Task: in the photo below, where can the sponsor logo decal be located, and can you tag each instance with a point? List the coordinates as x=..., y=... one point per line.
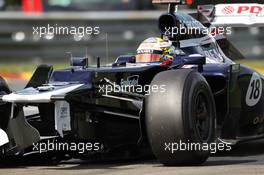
x=250, y=9
x=241, y=9
x=228, y=10
x=130, y=81
x=258, y=120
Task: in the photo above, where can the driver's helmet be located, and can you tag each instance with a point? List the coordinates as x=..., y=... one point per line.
x=155, y=50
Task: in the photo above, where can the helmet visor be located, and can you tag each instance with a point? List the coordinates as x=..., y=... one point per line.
x=148, y=57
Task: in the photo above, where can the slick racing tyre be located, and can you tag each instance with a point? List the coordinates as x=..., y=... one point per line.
x=182, y=115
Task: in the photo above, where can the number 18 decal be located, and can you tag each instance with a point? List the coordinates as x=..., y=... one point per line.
x=254, y=91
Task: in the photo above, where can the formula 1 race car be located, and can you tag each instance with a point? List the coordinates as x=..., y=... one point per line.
x=180, y=88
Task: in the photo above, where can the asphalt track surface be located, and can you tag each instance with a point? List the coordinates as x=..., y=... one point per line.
x=244, y=159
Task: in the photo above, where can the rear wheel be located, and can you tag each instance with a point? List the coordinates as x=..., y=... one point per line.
x=182, y=119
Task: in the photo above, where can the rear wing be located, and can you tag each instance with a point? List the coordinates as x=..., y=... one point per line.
x=236, y=15
x=178, y=2
x=205, y=2
x=223, y=12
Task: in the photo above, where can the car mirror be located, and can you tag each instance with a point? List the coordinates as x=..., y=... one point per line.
x=79, y=61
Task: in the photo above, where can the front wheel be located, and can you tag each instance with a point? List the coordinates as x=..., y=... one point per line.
x=181, y=119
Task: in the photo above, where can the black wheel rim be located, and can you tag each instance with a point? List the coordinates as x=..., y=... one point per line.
x=202, y=116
